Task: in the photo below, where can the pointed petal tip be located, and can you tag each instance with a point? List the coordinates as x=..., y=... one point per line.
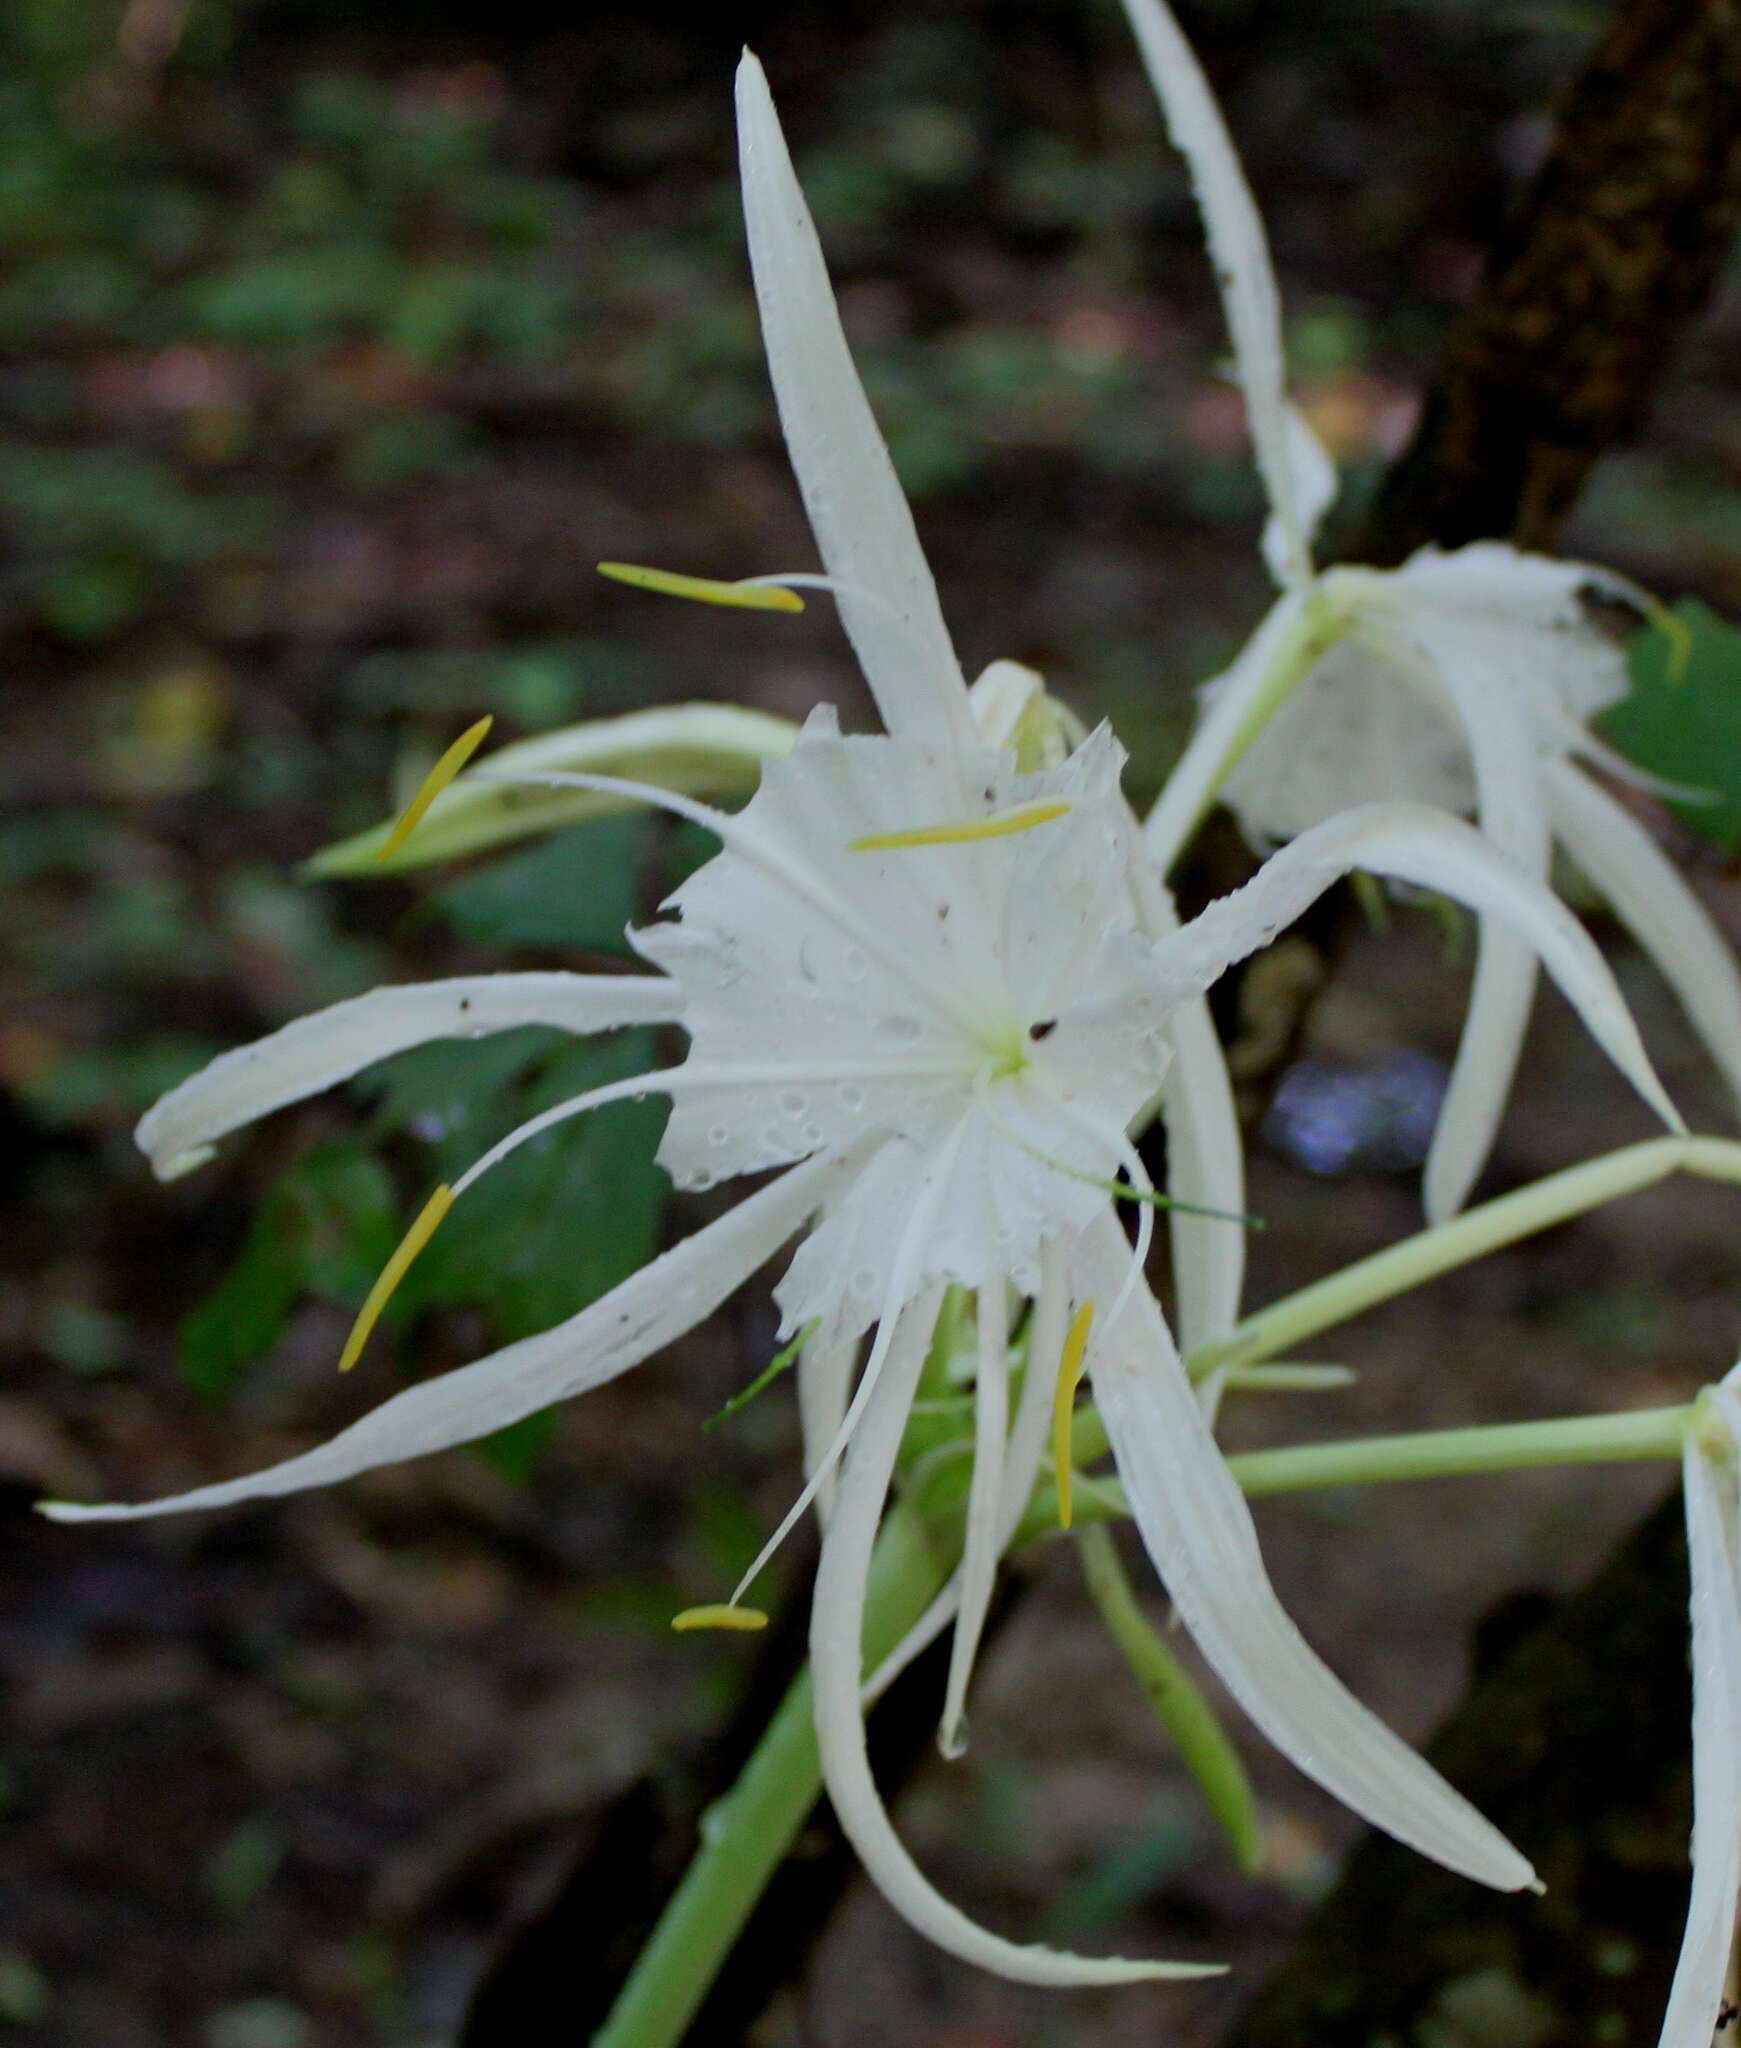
x=179, y=1164
x=73, y=1511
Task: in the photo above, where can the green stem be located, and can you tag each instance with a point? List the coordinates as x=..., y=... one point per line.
x=1182, y=1710
x=1443, y=1453
x=1469, y=1236
x=1378, y=1460
x=746, y=1835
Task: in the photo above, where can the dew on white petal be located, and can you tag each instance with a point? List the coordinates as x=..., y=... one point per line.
x=809, y=967
x=853, y=964
x=794, y=1103
x=897, y=1030
x=863, y=1283
x=850, y=1096
x=699, y=1180
x=812, y=1134
x=719, y=1135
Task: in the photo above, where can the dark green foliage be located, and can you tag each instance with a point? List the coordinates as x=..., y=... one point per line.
x=576, y=888
x=561, y=1220
x=559, y=1223
x=1683, y=719
x=324, y=1229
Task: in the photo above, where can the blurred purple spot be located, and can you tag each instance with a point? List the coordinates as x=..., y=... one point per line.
x=1374, y=1117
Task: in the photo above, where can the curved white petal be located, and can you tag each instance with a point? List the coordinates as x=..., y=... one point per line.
x=1205, y=1167
x=1560, y=657
x=1410, y=843
x=1291, y=462
x=1198, y=1530
x=836, y=1659
x=825, y=1367
x=693, y=749
x=1500, y=999
x=888, y=602
x=1476, y=664
x=1651, y=898
x=178, y=1132
x=1697, y=1990
x=983, y=1542
x=649, y=1310
x=908, y=1275
x=1002, y=696
x=1237, y=704
x=1026, y=1449
x=1595, y=753
x=1314, y=484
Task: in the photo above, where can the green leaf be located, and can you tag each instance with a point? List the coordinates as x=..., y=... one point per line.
x=1683, y=718
x=563, y=1219
x=576, y=889
x=454, y=1093
x=514, y=1450
x=326, y=1228
x=244, y=1315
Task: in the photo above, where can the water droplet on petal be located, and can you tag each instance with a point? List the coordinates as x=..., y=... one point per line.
x=850, y=1096
x=853, y=964
x=897, y=1030
x=794, y=1103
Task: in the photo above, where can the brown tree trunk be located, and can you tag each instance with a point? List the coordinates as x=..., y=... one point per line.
x=1614, y=245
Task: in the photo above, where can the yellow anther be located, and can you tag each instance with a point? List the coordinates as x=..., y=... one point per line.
x=1000, y=825
x=1064, y=1400
x=428, y=1219
x=744, y=1619
x=750, y=597
x=434, y=783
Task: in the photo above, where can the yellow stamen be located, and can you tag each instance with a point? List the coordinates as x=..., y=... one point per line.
x=434, y=783
x=741, y=1618
x=428, y=1218
x=998, y=826
x=1069, y=1374
x=750, y=597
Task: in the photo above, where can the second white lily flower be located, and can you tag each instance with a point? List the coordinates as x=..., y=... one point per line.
x=1466, y=679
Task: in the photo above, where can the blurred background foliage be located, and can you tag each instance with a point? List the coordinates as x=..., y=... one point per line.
x=336, y=343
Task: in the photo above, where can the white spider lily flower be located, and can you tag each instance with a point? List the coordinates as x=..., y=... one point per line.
x=1466, y=679
x=930, y=989
x=1711, y=1468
